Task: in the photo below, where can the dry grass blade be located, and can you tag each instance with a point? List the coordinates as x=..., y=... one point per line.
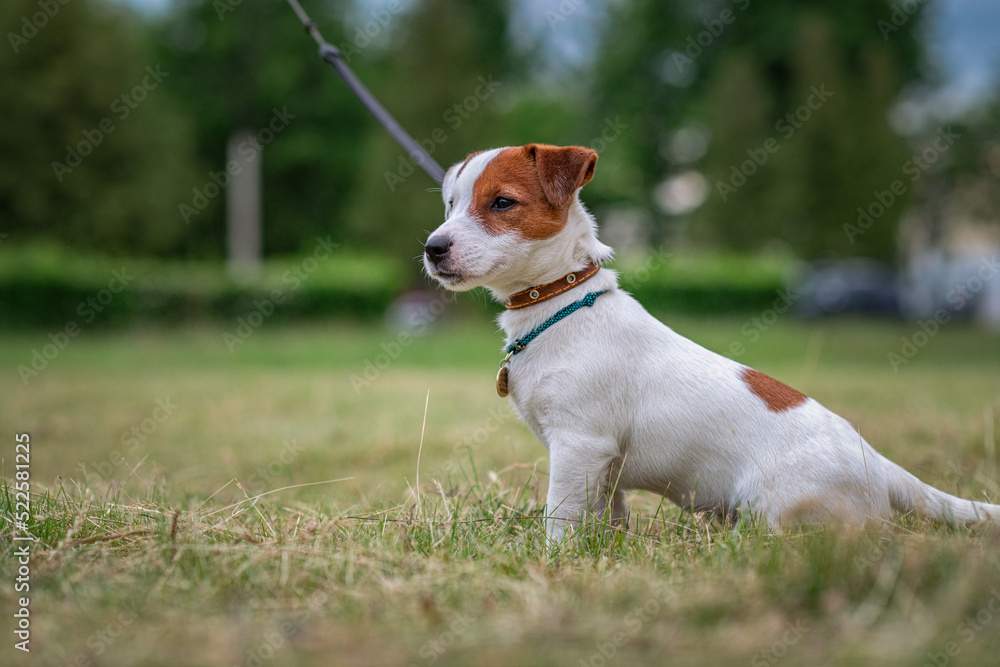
x=106, y=538
x=267, y=493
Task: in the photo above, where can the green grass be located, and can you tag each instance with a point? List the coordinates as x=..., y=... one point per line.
x=149, y=553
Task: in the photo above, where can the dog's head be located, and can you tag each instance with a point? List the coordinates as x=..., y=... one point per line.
x=513, y=218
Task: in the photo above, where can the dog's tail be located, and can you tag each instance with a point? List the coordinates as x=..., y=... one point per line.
x=909, y=494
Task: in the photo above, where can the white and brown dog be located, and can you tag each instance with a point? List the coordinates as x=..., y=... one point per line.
x=619, y=399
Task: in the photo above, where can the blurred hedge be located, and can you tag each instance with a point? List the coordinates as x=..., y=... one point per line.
x=706, y=284
x=44, y=287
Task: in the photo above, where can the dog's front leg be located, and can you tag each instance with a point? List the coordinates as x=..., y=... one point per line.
x=578, y=485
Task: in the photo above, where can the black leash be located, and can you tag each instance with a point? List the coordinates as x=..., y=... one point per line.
x=331, y=54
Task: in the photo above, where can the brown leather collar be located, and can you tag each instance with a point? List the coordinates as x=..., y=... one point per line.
x=533, y=295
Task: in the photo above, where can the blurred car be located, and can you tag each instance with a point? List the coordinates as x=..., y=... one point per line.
x=857, y=285
x=961, y=284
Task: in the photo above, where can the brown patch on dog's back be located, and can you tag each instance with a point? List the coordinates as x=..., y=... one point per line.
x=514, y=174
x=778, y=395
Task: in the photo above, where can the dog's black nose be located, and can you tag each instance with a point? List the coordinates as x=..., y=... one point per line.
x=437, y=247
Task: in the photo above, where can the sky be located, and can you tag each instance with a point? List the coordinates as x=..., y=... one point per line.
x=964, y=41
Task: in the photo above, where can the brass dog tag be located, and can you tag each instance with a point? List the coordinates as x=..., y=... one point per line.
x=502, y=382
x=502, y=385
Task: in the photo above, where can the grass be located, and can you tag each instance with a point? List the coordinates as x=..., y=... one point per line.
x=149, y=553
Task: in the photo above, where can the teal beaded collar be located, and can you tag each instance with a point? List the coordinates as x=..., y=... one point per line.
x=521, y=343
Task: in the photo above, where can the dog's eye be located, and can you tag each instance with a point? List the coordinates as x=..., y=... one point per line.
x=451, y=203
x=502, y=203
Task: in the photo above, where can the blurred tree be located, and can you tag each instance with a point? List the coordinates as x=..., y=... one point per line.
x=678, y=87
x=249, y=66
x=635, y=79
x=978, y=162
x=94, y=149
x=962, y=186
x=794, y=97
x=739, y=83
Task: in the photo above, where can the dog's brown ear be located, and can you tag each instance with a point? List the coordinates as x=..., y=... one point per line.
x=562, y=170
